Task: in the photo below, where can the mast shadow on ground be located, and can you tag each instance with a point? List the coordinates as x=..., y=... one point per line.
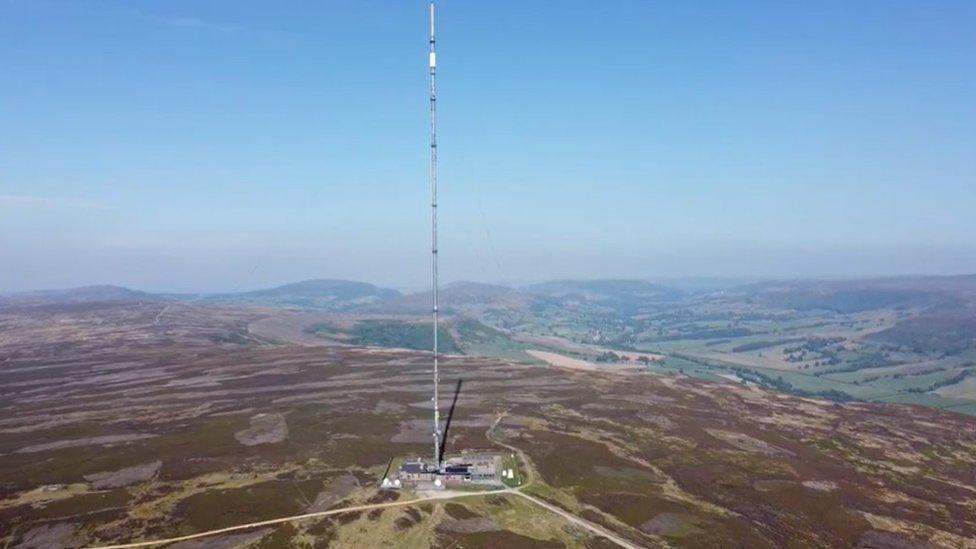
x=447, y=424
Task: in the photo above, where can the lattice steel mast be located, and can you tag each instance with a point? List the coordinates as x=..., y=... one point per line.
x=432, y=57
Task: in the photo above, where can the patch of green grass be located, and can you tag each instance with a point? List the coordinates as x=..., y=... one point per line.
x=388, y=333
x=510, y=462
x=764, y=344
x=478, y=339
x=931, y=400
x=544, y=491
x=968, y=409
x=85, y=504
x=235, y=338
x=323, y=328
x=458, y=511
x=673, y=365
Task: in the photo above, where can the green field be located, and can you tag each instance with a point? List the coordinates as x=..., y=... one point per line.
x=478, y=339
x=389, y=333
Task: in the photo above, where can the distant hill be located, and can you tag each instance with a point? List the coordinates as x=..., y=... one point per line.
x=600, y=296
x=944, y=333
x=319, y=294
x=616, y=296
x=851, y=296
x=458, y=297
x=84, y=294
x=604, y=289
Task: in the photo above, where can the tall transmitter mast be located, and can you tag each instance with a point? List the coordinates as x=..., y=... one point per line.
x=433, y=226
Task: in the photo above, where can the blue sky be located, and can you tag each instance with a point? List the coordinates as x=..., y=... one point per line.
x=222, y=145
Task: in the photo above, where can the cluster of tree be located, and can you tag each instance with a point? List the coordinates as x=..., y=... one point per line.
x=408, y=335
x=818, y=344
x=872, y=360
x=926, y=371
x=695, y=332
x=756, y=345
x=781, y=384
x=610, y=356
x=802, y=356
x=945, y=382
x=825, y=349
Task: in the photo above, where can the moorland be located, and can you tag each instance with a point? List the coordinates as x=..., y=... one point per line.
x=681, y=421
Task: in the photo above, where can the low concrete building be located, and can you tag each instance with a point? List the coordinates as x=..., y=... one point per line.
x=466, y=468
x=413, y=472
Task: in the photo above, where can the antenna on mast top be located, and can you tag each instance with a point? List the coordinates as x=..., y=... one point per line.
x=432, y=59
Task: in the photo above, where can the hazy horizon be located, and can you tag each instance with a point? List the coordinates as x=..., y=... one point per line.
x=146, y=273
x=182, y=147
x=668, y=281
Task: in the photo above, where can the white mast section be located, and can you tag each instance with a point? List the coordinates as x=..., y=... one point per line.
x=432, y=58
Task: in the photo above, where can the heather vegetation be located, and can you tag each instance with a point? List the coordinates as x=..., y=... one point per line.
x=857, y=339
x=213, y=433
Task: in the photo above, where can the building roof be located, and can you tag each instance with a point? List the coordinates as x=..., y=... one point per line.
x=412, y=468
